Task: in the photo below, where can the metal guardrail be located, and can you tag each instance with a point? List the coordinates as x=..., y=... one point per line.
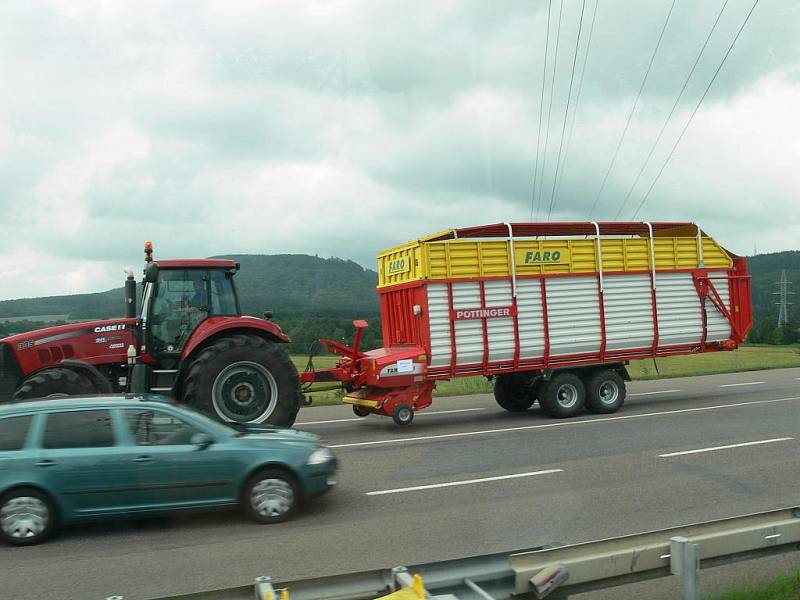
x=553, y=572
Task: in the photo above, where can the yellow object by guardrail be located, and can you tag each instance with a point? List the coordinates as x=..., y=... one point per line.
x=416, y=591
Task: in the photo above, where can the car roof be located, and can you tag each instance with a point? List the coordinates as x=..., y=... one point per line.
x=88, y=401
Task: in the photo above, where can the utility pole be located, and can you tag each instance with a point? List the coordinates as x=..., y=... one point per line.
x=783, y=299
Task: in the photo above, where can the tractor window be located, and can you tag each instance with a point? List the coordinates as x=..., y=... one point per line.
x=223, y=300
x=180, y=303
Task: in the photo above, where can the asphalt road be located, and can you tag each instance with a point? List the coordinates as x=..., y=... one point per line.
x=465, y=478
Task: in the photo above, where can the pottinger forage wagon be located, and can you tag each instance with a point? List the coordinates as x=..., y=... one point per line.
x=552, y=311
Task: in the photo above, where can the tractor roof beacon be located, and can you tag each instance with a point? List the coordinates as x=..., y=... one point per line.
x=189, y=341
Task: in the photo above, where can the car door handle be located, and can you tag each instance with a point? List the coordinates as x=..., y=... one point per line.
x=143, y=459
x=46, y=463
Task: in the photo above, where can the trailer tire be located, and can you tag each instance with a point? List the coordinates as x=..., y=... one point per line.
x=403, y=414
x=244, y=378
x=512, y=393
x=54, y=382
x=563, y=396
x=361, y=411
x=605, y=392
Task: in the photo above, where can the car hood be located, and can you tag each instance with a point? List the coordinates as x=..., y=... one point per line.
x=260, y=432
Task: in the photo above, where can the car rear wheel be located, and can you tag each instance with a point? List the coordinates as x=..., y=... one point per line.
x=26, y=517
x=270, y=496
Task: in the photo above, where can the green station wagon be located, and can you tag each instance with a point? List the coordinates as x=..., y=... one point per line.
x=71, y=459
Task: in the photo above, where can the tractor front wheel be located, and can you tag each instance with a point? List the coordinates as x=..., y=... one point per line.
x=54, y=383
x=244, y=378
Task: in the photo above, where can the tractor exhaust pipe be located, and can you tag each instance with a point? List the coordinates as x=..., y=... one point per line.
x=130, y=294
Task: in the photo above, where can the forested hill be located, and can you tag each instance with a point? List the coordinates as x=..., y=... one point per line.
x=315, y=297
x=288, y=284
x=310, y=297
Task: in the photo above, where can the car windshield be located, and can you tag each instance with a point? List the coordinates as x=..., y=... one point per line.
x=212, y=425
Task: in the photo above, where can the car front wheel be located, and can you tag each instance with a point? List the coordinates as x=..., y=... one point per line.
x=270, y=496
x=26, y=517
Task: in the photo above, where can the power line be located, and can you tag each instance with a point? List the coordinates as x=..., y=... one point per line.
x=694, y=112
x=566, y=110
x=541, y=107
x=550, y=108
x=672, y=110
x=577, y=100
x=633, y=109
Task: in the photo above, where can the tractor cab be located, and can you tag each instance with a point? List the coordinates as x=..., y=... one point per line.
x=178, y=297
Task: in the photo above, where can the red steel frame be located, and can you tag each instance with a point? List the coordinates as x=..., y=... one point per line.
x=739, y=314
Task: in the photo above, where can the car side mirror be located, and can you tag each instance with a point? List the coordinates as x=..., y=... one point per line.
x=201, y=440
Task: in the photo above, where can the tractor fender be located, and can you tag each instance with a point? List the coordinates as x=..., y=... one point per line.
x=214, y=326
x=102, y=383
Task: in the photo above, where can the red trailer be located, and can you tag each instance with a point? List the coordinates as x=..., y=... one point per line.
x=551, y=311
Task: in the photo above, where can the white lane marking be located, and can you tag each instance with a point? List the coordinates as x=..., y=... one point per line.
x=422, y=414
x=746, y=383
x=560, y=423
x=651, y=393
x=434, y=486
x=726, y=447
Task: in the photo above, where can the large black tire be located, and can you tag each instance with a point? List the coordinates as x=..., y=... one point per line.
x=271, y=496
x=605, y=392
x=513, y=392
x=27, y=517
x=244, y=378
x=58, y=381
x=563, y=396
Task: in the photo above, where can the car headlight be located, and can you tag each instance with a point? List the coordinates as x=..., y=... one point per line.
x=320, y=456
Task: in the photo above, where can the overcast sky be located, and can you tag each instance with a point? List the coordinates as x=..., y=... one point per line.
x=340, y=128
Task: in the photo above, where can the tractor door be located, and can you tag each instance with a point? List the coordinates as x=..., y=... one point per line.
x=179, y=302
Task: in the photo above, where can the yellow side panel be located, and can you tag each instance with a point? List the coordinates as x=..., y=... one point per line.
x=399, y=265
x=470, y=258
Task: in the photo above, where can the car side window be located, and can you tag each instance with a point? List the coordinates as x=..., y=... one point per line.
x=78, y=429
x=13, y=432
x=157, y=428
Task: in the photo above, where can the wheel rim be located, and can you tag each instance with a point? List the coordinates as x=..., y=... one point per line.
x=24, y=517
x=272, y=497
x=404, y=414
x=608, y=392
x=245, y=392
x=567, y=395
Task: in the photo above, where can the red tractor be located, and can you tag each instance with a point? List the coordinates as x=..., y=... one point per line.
x=190, y=341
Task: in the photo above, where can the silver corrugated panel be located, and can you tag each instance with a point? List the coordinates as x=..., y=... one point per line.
x=500, y=331
x=719, y=329
x=628, y=311
x=573, y=312
x=679, y=318
x=439, y=324
x=531, y=321
x=469, y=334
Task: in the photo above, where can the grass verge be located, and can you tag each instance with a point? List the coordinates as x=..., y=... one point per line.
x=783, y=587
x=747, y=358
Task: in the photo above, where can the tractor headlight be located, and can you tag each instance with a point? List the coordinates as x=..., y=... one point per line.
x=320, y=456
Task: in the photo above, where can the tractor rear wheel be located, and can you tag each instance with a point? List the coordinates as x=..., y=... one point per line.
x=244, y=378
x=55, y=382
